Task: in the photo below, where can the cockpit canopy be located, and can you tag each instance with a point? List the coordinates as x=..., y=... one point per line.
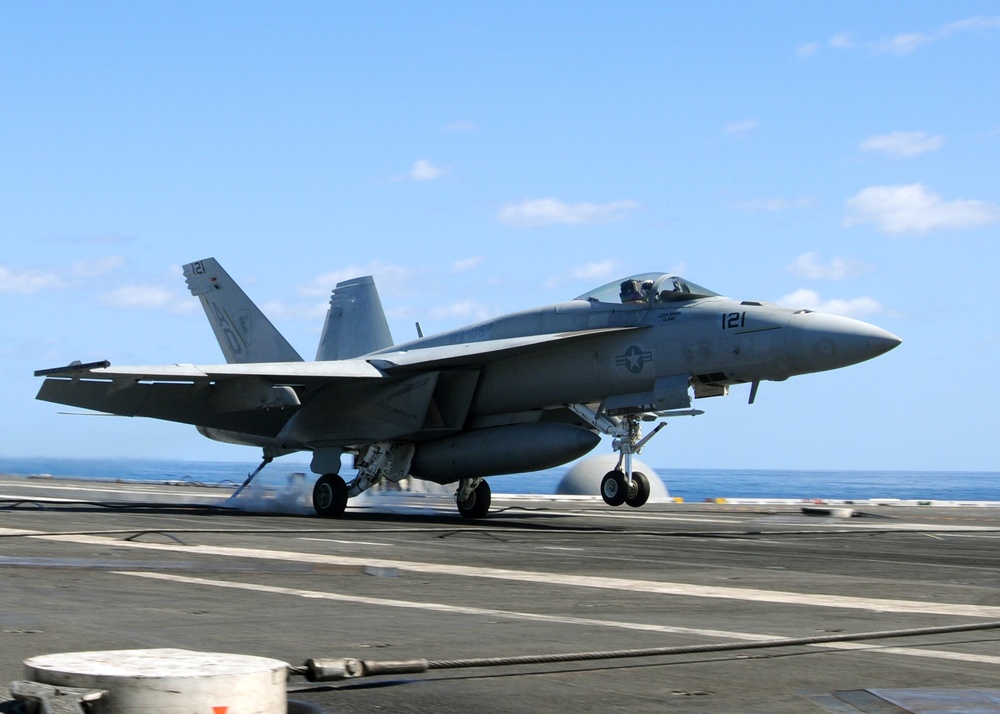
x=647, y=289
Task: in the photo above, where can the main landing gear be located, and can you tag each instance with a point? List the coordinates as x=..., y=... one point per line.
x=623, y=485
x=330, y=496
x=379, y=460
x=390, y=461
x=473, y=497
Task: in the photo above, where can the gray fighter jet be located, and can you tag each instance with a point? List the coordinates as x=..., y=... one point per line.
x=522, y=392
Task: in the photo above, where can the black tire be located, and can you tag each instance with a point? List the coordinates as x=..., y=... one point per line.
x=613, y=488
x=639, y=493
x=477, y=504
x=330, y=496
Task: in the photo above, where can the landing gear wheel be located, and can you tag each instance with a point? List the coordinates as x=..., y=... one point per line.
x=477, y=504
x=330, y=496
x=613, y=488
x=639, y=493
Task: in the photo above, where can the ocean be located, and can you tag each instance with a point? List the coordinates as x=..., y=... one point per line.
x=689, y=484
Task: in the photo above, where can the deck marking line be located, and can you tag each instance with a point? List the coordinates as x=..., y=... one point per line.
x=438, y=607
x=222, y=494
x=584, y=581
x=558, y=619
x=344, y=542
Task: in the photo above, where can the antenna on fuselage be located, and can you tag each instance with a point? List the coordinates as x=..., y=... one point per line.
x=420, y=332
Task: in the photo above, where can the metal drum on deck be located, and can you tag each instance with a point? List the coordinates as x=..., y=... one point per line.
x=169, y=681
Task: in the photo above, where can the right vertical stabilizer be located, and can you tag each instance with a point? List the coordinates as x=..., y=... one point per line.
x=244, y=333
x=355, y=324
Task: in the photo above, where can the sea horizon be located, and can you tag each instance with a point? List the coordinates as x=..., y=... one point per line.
x=690, y=484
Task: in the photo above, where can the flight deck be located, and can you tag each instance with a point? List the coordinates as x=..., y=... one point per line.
x=656, y=602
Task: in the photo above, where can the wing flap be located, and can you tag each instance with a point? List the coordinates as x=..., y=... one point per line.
x=177, y=402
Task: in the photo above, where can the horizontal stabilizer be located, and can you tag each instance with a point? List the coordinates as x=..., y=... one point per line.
x=244, y=333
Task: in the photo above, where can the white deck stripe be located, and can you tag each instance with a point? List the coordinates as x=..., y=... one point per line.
x=560, y=579
x=915, y=652
x=558, y=619
x=438, y=607
x=144, y=490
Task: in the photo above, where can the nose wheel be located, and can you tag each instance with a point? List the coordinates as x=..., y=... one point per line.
x=616, y=489
x=613, y=488
x=638, y=493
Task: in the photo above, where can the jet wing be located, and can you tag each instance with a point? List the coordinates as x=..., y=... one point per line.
x=278, y=373
x=476, y=354
x=259, y=399
x=250, y=399
x=469, y=354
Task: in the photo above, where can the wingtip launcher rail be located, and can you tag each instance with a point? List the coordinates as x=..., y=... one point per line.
x=72, y=368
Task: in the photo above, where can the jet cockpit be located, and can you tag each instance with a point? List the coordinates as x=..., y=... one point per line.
x=648, y=289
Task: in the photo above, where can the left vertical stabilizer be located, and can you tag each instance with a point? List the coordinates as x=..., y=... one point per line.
x=244, y=333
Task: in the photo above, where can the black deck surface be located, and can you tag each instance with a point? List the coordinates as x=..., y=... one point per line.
x=118, y=566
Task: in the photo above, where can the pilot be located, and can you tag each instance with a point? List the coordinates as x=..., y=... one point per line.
x=634, y=292
x=676, y=288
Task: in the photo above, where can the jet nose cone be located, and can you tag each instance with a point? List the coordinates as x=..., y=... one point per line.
x=882, y=341
x=818, y=342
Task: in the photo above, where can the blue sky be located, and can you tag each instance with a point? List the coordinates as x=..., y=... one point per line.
x=480, y=158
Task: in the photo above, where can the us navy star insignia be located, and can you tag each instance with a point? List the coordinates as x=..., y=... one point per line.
x=634, y=359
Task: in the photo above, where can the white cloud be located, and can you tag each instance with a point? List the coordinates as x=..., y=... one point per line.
x=279, y=310
x=460, y=266
x=424, y=170
x=462, y=125
x=95, y=267
x=807, y=50
x=809, y=266
x=463, y=309
x=811, y=300
x=906, y=144
x=842, y=41
x=914, y=209
x=740, y=128
x=28, y=281
x=772, y=205
x=903, y=44
x=143, y=297
x=907, y=42
x=387, y=278
x=550, y=211
x=595, y=271
x=421, y=170
x=971, y=24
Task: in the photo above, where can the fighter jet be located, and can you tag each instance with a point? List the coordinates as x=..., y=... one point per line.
x=521, y=392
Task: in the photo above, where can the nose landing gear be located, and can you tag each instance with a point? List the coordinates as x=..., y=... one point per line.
x=622, y=485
